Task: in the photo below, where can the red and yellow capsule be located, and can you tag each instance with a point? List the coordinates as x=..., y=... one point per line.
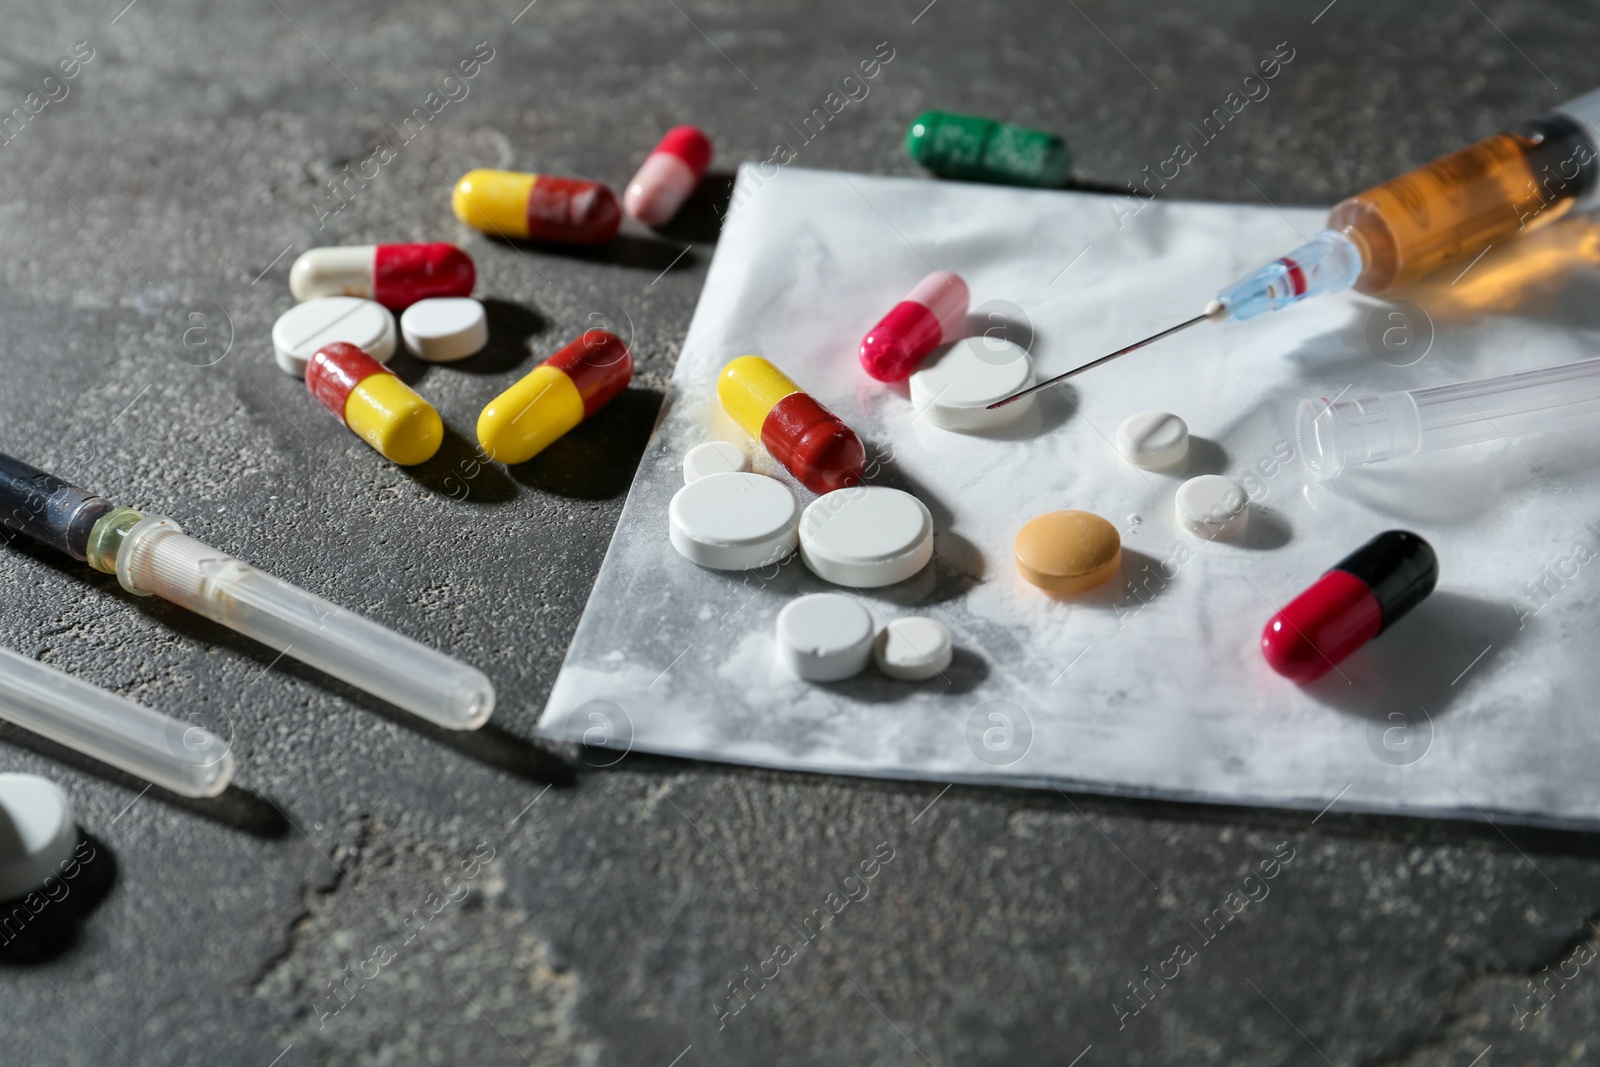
x=810, y=441
x=539, y=207
x=379, y=408
x=561, y=392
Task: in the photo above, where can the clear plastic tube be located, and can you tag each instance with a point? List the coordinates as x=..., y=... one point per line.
x=155, y=556
x=173, y=754
x=1337, y=434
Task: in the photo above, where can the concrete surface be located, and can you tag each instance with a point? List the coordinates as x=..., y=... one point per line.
x=609, y=911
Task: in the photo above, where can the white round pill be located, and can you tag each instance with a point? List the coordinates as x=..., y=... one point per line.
x=955, y=392
x=1154, y=440
x=912, y=649
x=714, y=457
x=866, y=536
x=304, y=328
x=37, y=835
x=824, y=637
x=734, y=521
x=443, y=329
x=1213, y=506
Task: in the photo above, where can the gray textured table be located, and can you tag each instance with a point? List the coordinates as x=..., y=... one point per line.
x=340, y=904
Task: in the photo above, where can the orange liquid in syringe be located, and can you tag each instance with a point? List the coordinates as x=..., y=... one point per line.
x=1462, y=204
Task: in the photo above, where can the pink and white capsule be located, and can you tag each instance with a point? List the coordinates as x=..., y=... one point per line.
x=932, y=314
x=668, y=176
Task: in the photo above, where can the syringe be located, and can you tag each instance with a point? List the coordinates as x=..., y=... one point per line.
x=1339, y=433
x=1407, y=228
x=150, y=554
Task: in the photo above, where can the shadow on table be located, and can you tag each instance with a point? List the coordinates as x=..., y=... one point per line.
x=1411, y=673
x=45, y=924
x=236, y=808
x=460, y=471
x=597, y=459
x=623, y=250
x=700, y=218
x=490, y=744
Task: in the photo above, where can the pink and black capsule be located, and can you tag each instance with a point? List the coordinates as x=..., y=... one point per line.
x=1362, y=596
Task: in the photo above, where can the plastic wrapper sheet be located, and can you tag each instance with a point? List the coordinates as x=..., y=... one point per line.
x=1479, y=704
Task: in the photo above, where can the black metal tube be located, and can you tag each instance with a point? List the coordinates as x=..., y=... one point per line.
x=47, y=509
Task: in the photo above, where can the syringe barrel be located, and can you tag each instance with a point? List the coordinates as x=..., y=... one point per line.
x=155, y=556
x=1335, y=435
x=175, y=755
x=1459, y=206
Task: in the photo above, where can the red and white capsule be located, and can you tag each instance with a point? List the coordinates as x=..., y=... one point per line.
x=396, y=276
x=1363, y=595
x=668, y=176
x=932, y=314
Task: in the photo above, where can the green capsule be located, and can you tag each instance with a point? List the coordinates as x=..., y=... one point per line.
x=983, y=150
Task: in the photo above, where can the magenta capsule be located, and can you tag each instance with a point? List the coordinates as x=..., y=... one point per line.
x=668, y=176
x=932, y=314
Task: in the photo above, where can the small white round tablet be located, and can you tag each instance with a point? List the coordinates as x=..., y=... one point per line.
x=714, y=457
x=1213, y=506
x=954, y=392
x=304, y=328
x=913, y=648
x=37, y=835
x=1154, y=440
x=866, y=536
x=443, y=329
x=734, y=521
x=824, y=637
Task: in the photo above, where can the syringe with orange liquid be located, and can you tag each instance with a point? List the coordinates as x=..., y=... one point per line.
x=1407, y=228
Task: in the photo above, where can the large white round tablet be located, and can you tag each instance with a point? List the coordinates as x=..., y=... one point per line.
x=734, y=521
x=955, y=392
x=37, y=835
x=306, y=327
x=1213, y=506
x=714, y=457
x=913, y=648
x=443, y=329
x=824, y=637
x=1154, y=440
x=866, y=536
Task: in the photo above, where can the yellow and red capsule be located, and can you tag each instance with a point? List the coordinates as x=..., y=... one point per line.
x=378, y=407
x=539, y=207
x=556, y=396
x=812, y=442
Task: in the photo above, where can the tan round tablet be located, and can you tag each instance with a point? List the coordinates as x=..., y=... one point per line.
x=1068, y=551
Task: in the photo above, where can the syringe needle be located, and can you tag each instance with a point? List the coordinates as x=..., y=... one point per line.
x=1213, y=311
x=1327, y=263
